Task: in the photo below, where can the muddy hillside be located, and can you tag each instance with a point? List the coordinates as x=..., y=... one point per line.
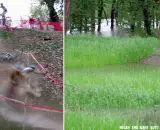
x=47, y=47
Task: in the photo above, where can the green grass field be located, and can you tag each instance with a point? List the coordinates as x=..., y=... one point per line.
x=92, y=51
x=110, y=91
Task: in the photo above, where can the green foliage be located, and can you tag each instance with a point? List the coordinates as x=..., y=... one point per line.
x=127, y=13
x=89, y=121
x=40, y=11
x=46, y=10
x=81, y=13
x=131, y=12
x=5, y=34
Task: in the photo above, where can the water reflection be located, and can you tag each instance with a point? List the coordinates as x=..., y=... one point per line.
x=106, y=30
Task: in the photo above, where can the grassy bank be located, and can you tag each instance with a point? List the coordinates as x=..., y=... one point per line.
x=92, y=51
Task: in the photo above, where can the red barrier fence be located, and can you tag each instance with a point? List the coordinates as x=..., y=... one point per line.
x=52, y=26
x=56, y=26
x=35, y=107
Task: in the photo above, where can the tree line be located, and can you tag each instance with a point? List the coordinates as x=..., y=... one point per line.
x=46, y=10
x=138, y=16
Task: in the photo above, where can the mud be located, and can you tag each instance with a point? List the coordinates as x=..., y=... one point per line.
x=153, y=59
x=48, y=49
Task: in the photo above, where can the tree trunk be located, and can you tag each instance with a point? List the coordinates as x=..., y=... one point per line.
x=53, y=15
x=100, y=10
x=132, y=20
x=105, y=15
x=132, y=26
x=153, y=23
x=112, y=18
x=85, y=25
x=156, y=23
x=80, y=24
x=147, y=17
x=159, y=33
x=147, y=21
x=52, y=12
x=139, y=24
x=116, y=13
x=93, y=18
x=113, y=14
x=67, y=12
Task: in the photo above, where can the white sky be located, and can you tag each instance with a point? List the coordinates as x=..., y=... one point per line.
x=17, y=8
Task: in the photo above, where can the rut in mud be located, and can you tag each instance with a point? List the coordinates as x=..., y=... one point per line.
x=153, y=59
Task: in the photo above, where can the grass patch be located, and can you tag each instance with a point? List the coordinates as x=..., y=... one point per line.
x=94, y=51
x=100, y=92
x=5, y=34
x=114, y=87
x=88, y=121
x=114, y=90
x=111, y=120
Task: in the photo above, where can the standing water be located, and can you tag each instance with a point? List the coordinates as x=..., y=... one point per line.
x=106, y=30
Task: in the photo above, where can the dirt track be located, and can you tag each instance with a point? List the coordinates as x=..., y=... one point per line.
x=48, y=49
x=153, y=59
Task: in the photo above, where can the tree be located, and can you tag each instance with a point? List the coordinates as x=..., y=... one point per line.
x=113, y=10
x=52, y=12
x=40, y=11
x=137, y=16
x=67, y=13
x=50, y=4
x=93, y=13
x=100, y=12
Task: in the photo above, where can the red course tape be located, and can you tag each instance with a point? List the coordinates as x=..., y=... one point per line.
x=35, y=107
x=45, y=70
x=38, y=107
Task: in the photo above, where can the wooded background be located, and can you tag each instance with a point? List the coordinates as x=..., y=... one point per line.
x=138, y=16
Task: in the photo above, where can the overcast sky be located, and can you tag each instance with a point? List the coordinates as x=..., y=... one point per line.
x=17, y=8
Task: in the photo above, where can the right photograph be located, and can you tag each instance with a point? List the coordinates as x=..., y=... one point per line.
x=112, y=65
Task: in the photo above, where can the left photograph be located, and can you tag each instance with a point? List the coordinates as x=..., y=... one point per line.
x=31, y=65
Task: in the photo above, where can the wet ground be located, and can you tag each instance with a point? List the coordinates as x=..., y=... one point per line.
x=153, y=59
x=47, y=47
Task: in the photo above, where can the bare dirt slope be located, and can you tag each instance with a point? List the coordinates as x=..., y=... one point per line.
x=47, y=47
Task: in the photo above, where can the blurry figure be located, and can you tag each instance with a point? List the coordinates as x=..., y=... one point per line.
x=32, y=22
x=3, y=14
x=38, y=24
x=15, y=83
